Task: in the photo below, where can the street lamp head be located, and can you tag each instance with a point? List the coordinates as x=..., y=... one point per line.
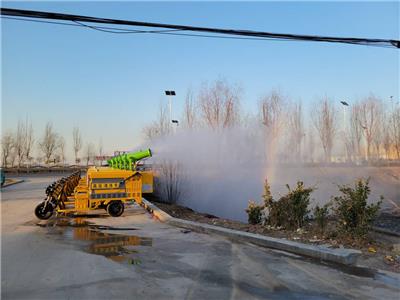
x=170, y=93
x=344, y=103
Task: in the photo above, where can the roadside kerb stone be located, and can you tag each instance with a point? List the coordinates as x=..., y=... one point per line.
x=12, y=183
x=385, y=231
x=337, y=255
x=158, y=213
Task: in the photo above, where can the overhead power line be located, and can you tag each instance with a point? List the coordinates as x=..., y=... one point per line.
x=118, y=30
x=79, y=24
x=227, y=32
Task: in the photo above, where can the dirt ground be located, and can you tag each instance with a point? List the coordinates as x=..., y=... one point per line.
x=377, y=252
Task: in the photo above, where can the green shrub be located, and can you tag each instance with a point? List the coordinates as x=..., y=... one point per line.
x=354, y=215
x=267, y=196
x=254, y=212
x=291, y=210
x=278, y=213
x=321, y=215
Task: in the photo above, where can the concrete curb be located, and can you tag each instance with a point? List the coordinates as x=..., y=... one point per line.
x=158, y=213
x=385, y=231
x=12, y=183
x=338, y=255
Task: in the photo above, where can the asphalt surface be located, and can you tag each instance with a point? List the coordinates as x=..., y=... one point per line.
x=135, y=256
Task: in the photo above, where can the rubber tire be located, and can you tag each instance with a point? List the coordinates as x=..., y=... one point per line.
x=39, y=211
x=115, y=208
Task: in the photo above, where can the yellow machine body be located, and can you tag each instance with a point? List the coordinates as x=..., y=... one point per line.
x=101, y=185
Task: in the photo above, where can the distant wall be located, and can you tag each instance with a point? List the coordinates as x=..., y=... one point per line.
x=44, y=170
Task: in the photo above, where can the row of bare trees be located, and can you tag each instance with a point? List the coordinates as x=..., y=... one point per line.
x=17, y=146
x=368, y=129
x=377, y=125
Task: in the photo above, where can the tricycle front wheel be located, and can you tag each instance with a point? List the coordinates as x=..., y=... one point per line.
x=44, y=211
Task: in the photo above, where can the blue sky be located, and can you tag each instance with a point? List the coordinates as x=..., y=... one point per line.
x=111, y=85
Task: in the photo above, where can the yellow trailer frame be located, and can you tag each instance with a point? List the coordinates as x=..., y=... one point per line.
x=102, y=187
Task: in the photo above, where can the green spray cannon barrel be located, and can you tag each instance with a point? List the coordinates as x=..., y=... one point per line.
x=113, y=162
x=128, y=161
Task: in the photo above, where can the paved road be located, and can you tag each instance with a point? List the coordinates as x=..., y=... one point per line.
x=33, y=186
x=136, y=257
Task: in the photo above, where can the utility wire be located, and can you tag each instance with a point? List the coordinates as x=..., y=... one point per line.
x=166, y=32
x=101, y=28
x=232, y=32
x=124, y=30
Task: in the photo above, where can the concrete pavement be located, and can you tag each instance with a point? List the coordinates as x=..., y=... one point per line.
x=139, y=257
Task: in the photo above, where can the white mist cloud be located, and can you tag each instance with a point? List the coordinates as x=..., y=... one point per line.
x=224, y=169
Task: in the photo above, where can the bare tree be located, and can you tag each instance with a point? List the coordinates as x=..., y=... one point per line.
x=369, y=119
x=349, y=145
x=170, y=181
x=77, y=142
x=61, y=147
x=49, y=143
x=395, y=130
x=100, y=151
x=296, y=129
x=20, y=143
x=272, y=117
x=13, y=157
x=377, y=138
x=189, y=110
x=311, y=144
x=160, y=127
x=89, y=153
x=324, y=119
x=29, y=141
x=386, y=139
x=356, y=131
x=219, y=105
x=272, y=112
x=7, y=146
x=101, y=147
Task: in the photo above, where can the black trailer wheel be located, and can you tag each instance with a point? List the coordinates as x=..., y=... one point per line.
x=115, y=208
x=43, y=211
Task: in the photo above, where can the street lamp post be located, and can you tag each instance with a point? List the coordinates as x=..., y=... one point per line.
x=344, y=103
x=170, y=94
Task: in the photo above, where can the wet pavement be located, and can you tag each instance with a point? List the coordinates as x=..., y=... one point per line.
x=135, y=256
x=117, y=247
